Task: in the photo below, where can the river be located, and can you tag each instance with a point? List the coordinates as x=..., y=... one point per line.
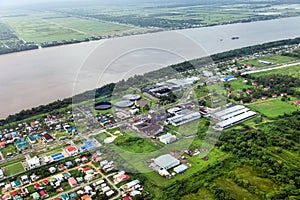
x=41, y=76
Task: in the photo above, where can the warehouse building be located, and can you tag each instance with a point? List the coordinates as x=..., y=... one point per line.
x=232, y=115
x=166, y=161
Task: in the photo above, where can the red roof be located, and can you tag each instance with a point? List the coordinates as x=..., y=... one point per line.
x=297, y=102
x=71, y=148
x=14, y=193
x=37, y=185
x=2, y=144
x=57, y=198
x=43, y=192
x=86, y=197
x=86, y=169
x=127, y=198
x=72, y=180
x=45, y=181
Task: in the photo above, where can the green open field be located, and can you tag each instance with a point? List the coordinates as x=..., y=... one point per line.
x=135, y=144
x=263, y=184
x=291, y=71
x=234, y=190
x=202, y=193
x=13, y=169
x=273, y=108
x=8, y=149
x=275, y=59
x=34, y=26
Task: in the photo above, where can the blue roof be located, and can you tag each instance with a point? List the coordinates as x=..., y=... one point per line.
x=228, y=77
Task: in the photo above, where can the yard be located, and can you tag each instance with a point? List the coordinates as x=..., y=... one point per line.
x=13, y=169
x=273, y=108
x=7, y=150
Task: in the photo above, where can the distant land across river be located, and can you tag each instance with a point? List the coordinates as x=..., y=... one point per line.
x=36, y=77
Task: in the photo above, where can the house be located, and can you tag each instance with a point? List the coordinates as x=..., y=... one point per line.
x=35, y=196
x=2, y=144
x=65, y=196
x=31, y=139
x=264, y=97
x=47, y=138
x=37, y=186
x=72, y=182
x=33, y=162
x=283, y=94
x=180, y=169
x=86, y=197
x=43, y=193
x=109, y=193
x=297, y=102
x=71, y=150
x=69, y=164
x=22, y=144
x=25, y=179
x=275, y=95
x=255, y=83
x=52, y=170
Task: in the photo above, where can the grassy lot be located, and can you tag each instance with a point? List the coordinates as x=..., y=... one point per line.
x=202, y=193
x=291, y=71
x=263, y=184
x=135, y=144
x=90, y=27
x=8, y=149
x=238, y=85
x=273, y=108
x=235, y=191
x=13, y=169
x=275, y=59
x=39, y=27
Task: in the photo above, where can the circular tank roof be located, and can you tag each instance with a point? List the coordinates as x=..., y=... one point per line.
x=131, y=97
x=124, y=104
x=103, y=106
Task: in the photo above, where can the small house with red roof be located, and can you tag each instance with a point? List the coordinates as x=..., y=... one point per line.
x=297, y=102
x=255, y=83
x=2, y=144
x=283, y=94
x=86, y=197
x=274, y=95
x=43, y=193
x=46, y=182
x=72, y=182
x=71, y=150
x=264, y=97
x=37, y=186
x=267, y=88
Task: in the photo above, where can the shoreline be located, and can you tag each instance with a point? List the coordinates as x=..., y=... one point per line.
x=147, y=32
x=34, y=78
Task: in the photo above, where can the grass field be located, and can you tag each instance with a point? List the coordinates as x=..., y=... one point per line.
x=13, y=169
x=234, y=190
x=273, y=108
x=134, y=144
x=8, y=149
x=34, y=26
x=202, y=193
x=263, y=184
x=275, y=59
x=291, y=71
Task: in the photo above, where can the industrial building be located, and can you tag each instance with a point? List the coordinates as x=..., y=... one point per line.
x=167, y=138
x=166, y=161
x=183, y=117
x=232, y=115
